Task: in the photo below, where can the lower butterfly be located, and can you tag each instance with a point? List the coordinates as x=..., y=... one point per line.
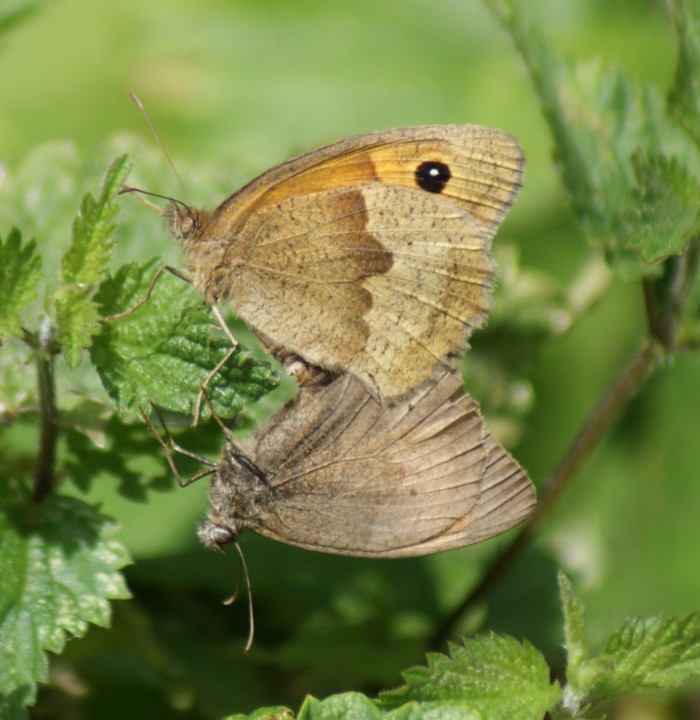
x=339, y=472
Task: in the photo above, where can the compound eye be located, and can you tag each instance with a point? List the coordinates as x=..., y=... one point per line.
x=220, y=535
x=186, y=225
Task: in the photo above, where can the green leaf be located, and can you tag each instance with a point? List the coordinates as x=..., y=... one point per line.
x=667, y=214
x=600, y=120
x=357, y=706
x=163, y=352
x=581, y=675
x=77, y=320
x=576, y=642
x=648, y=654
x=85, y=263
x=684, y=96
x=496, y=676
x=87, y=258
x=58, y=570
x=20, y=274
x=269, y=713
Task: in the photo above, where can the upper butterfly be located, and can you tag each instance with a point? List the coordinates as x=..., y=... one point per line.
x=370, y=255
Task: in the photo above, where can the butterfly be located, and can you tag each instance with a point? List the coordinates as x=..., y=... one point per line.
x=369, y=256
x=339, y=472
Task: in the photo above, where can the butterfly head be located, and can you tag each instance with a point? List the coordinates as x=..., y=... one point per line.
x=215, y=536
x=238, y=497
x=185, y=223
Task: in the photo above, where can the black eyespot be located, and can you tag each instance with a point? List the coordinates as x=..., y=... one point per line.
x=432, y=175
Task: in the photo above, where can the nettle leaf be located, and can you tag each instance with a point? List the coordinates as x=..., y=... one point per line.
x=684, y=96
x=581, y=674
x=85, y=263
x=356, y=705
x=600, y=121
x=77, y=320
x=58, y=571
x=163, y=351
x=649, y=654
x=87, y=258
x=20, y=274
x=496, y=676
x=269, y=713
x=576, y=642
x=667, y=214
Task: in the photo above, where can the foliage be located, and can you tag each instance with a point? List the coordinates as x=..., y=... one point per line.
x=72, y=274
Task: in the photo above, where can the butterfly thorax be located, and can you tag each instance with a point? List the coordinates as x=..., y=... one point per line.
x=203, y=251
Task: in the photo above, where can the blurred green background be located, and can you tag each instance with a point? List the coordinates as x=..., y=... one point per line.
x=236, y=86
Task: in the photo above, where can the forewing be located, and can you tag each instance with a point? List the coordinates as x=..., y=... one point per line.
x=342, y=258
x=486, y=168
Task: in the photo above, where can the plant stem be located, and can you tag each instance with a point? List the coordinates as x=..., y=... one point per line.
x=622, y=390
x=44, y=470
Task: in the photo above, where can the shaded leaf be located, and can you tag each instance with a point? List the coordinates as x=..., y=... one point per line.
x=20, y=274
x=270, y=713
x=129, y=456
x=163, y=352
x=684, y=96
x=600, y=120
x=355, y=705
x=648, y=654
x=58, y=570
x=495, y=675
x=667, y=214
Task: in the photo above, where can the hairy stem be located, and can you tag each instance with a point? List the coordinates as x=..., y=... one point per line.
x=44, y=470
x=623, y=389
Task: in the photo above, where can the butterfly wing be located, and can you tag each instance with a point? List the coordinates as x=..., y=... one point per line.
x=355, y=478
x=372, y=254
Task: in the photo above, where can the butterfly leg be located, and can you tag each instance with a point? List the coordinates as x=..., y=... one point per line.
x=147, y=295
x=201, y=395
x=170, y=445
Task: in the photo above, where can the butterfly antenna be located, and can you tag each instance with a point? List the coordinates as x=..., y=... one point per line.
x=159, y=140
x=232, y=598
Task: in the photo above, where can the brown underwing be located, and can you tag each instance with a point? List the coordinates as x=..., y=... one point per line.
x=338, y=472
x=369, y=256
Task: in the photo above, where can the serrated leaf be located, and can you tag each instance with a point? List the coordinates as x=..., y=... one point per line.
x=85, y=263
x=77, y=320
x=599, y=120
x=163, y=352
x=270, y=713
x=576, y=643
x=648, y=654
x=357, y=706
x=58, y=571
x=496, y=676
x=86, y=260
x=20, y=274
x=667, y=215
x=684, y=96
